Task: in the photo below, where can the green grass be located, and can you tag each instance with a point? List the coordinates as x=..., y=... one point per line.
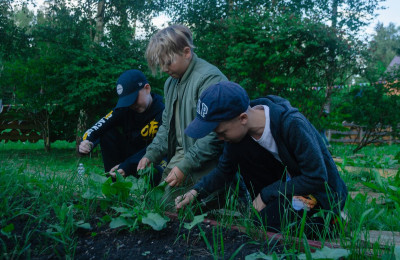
x=35, y=225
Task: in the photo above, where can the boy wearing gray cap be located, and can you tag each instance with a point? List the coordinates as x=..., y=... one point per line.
x=138, y=114
x=281, y=156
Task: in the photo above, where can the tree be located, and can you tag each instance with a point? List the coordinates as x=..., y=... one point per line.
x=375, y=109
x=383, y=47
x=281, y=47
x=65, y=71
x=284, y=54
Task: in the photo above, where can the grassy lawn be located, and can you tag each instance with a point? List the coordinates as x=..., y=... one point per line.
x=43, y=203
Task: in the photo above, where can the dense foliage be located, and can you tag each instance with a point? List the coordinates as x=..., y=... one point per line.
x=62, y=61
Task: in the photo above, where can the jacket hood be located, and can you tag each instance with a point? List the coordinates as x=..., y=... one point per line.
x=279, y=107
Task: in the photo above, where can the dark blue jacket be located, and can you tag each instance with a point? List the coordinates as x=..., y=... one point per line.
x=303, y=155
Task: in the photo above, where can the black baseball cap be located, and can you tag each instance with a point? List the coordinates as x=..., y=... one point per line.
x=218, y=103
x=128, y=86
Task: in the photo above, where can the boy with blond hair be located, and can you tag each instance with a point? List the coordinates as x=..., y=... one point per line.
x=171, y=51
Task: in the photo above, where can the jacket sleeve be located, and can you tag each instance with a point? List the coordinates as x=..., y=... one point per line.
x=104, y=124
x=303, y=144
x=207, y=148
x=130, y=164
x=220, y=176
x=158, y=148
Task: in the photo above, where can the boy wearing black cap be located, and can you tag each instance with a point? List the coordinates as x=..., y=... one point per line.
x=281, y=156
x=139, y=114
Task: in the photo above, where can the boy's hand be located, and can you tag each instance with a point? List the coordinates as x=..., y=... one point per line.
x=115, y=168
x=85, y=146
x=258, y=203
x=175, y=177
x=143, y=163
x=182, y=201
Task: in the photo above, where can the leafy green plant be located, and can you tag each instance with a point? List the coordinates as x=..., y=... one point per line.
x=390, y=187
x=137, y=201
x=26, y=183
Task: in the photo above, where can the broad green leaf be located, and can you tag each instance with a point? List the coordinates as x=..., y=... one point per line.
x=107, y=189
x=261, y=255
x=131, y=178
x=119, y=177
x=122, y=185
x=155, y=220
x=98, y=178
x=92, y=194
x=139, y=185
x=119, y=222
x=197, y=219
x=82, y=224
x=120, y=209
x=327, y=253
x=162, y=185
x=157, y=193
x=9, y=228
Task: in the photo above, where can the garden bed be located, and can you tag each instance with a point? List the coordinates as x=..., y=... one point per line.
x=173, y=242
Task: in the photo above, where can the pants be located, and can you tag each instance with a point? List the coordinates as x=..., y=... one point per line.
x=279, y=215
x=115, y=149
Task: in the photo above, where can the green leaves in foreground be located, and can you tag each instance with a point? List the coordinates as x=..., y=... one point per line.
x=324, y=253
x=130, y=217
x=120, y=222
x=155, y=220
x=120, y=187
x=261, y=255
x=7, y=230
x=133, y=199
x=197, y=219
x=390, y=187
x=327, y=253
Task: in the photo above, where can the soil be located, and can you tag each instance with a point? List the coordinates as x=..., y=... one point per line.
x=173, y=242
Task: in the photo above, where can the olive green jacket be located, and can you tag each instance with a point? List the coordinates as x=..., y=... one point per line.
x=201, y=155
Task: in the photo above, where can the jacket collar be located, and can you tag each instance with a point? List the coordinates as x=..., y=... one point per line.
x=190, y=68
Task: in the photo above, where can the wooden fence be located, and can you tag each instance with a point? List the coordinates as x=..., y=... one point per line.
x=355, y=134
x=16, y=130
x=25, y=130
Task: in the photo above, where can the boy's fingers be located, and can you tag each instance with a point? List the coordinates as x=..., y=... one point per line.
x=182, y=204
x=178, y=202
x=143, y=163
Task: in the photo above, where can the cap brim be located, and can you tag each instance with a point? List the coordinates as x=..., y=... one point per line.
x=199, y=128
x=127, y=100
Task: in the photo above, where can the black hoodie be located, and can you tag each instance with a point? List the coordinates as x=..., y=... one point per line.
x=303, y=155
x=138, y=128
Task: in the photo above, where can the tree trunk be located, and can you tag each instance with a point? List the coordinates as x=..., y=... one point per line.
x=332, y=64
x=100, y=21
x=46, y=131
x=334, y=16
x=80, y=128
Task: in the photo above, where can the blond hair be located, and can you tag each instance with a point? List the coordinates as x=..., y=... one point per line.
x=167, y=43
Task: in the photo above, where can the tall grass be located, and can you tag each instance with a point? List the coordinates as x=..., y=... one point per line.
x=32, y=224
